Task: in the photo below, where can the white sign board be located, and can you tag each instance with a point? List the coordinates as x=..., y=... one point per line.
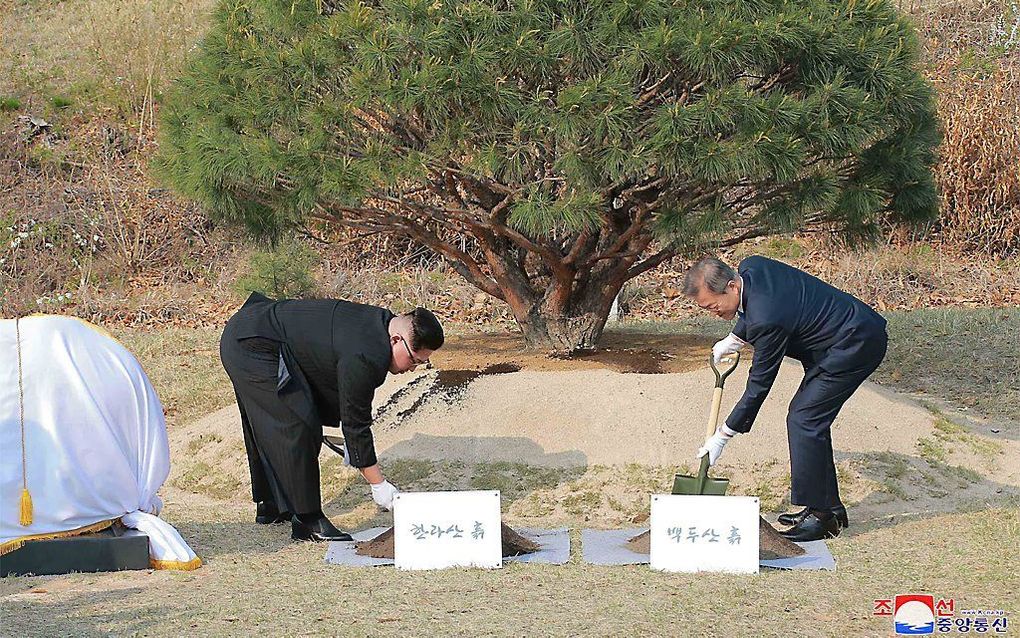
x=704, y=533
x=435, y=530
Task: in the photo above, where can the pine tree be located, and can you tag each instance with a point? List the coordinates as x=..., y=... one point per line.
x=575, y=143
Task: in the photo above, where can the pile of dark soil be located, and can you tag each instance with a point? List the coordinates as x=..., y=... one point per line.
x=382, y=545
x=460, y=378
x=771, y=544
x=641, y=361
x=379, y=547
x=447, y=385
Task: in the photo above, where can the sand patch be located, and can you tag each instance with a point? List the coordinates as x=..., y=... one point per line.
x=492, y=407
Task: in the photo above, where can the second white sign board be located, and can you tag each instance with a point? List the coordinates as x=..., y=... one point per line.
x=435, y=530
x=704, y=533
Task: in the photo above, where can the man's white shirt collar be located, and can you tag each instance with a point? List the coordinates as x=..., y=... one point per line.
x=740, y=304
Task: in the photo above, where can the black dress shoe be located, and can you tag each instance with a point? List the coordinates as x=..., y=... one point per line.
x=793, y=518
x=267, y=514
x=815, y=526
x=320, y=531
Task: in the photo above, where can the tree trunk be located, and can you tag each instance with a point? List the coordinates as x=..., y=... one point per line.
x=578, y=328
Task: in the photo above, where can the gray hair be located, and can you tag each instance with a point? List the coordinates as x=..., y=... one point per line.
x=711, y=272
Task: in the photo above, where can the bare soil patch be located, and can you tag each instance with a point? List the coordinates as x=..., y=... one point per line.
x=628, y=352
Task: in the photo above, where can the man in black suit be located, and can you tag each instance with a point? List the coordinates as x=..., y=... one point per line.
x=840, y=340
x=297, y=365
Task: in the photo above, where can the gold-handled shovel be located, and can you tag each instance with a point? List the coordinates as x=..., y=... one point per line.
x=702, y=484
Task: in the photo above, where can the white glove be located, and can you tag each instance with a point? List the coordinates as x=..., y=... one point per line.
x=383, y=493
x=732, y=343
x=347, y=456
x=714, y=444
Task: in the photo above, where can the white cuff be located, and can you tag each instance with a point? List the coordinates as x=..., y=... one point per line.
x=727, y=431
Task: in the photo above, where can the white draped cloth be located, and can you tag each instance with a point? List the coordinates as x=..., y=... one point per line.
x=95, y=445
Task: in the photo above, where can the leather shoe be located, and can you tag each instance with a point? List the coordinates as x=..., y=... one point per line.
x=320, y=531
x=814, y=528
x=792, y=518
x=267, y=514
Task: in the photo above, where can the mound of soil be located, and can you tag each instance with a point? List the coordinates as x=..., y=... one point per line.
x=379, y=547
x=382, y=545
x=771, y=544
x=640, y=361
x=628, y=352
x=460, y=378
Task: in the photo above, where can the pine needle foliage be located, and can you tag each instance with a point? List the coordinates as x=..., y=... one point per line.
x=577, y=143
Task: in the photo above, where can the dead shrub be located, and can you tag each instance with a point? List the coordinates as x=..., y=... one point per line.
x=973, y=56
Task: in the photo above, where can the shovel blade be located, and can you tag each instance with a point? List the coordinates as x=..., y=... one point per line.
x=689, y=485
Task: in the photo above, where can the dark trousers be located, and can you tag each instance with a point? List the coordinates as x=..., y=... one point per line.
x=808, y=425
x=283, y=450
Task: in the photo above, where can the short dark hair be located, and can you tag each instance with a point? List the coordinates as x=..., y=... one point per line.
x=711, y=272
x=426, y=332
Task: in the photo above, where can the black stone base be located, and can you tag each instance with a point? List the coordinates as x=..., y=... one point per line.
x=99, y=552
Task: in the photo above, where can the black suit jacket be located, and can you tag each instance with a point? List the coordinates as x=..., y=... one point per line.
x=788, y=312
x=336, y=354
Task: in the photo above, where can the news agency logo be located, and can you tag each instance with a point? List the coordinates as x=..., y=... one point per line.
x=924, y=614
x=914, y=614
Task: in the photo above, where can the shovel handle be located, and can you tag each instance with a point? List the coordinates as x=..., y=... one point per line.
x=720, y=375
x=720, y=378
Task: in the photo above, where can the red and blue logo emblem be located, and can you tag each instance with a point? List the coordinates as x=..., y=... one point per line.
x=914, y=614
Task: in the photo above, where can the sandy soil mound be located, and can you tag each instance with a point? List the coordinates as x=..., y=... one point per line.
x=489, y=403
x=382, y=545
x=771, y=544
x=606, y=417
x=507, y=408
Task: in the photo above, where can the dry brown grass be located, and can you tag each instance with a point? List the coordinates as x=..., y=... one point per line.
x=889, y=276
x=256, y=582
x=973, y=60
x=104, y=53
x=132, y=254
x=979, y=171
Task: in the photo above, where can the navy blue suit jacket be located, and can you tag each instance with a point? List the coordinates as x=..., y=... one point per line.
x=788, y=312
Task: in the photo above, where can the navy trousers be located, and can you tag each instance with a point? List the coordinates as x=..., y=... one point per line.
x=808, y=425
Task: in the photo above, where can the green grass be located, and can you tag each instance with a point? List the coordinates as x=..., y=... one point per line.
x=60, y=102
x=200, y=478
x=183, y=365
x=948, y=432
x=515, y=480
x=199, y=442
x=964, y=355
x=931, y=450
x=895, y=466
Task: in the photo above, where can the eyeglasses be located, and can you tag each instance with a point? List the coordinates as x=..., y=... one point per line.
x=416, y=360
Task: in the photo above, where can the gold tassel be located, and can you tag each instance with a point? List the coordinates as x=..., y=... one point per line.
x=26, y=508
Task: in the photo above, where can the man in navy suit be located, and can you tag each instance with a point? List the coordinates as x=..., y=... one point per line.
x=840, y=340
